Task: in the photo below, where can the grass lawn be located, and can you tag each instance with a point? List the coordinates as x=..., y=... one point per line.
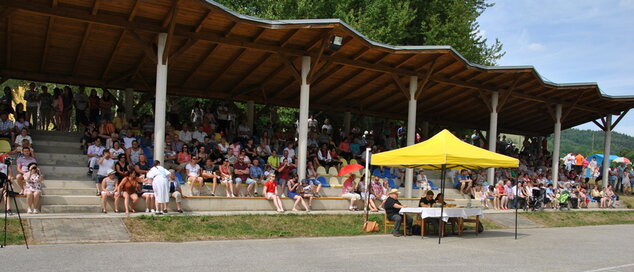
x=573, y=219
x=193, y=228
x=14, y=233
x=628, y=201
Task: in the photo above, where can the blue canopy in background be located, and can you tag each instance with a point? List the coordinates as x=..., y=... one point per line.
x=600, y=158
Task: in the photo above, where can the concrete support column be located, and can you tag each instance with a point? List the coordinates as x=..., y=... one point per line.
x=606, y=151
x=425, y=130
x=250, y=113
x=160, y=99
x=303, y=119
x=129, y=102
x=347, y=117
x=556, y=145
x=411, y=131
x=493, y=133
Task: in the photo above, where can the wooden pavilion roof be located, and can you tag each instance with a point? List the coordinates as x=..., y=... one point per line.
x=217, y=53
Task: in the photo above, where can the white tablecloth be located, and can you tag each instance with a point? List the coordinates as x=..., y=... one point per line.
x=447, y=213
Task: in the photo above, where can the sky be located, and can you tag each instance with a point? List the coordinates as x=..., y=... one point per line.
x=569, y=41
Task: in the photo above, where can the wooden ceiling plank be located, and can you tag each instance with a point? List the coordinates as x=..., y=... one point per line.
x=95, y=7
x=82, y=47
x=134, y=10
x=113, y=54
x=370, y=66
x=317, y=58
x=47, y=40
x=338, y=85
x=226, y=67
x=8, y=41
x=289, y=83
x=182, y=49
x=202, y=22
x=368, y=101
x=509, y=91
x=54, y=3
x=288, y=37
x=361, y=87
x=571, y=107
x=200, y=64
x=259, y=35
x=250, y=72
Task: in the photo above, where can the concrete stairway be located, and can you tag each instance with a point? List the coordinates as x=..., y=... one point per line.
x=67, y=187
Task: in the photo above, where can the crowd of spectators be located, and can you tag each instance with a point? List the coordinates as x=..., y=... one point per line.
x=213, y=146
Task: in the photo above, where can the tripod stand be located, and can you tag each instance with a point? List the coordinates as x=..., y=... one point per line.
x=7, y=192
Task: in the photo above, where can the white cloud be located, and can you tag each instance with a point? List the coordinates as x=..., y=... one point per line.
x=536, y=47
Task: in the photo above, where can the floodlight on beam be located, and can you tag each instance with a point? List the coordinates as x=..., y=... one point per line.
x=335, y=42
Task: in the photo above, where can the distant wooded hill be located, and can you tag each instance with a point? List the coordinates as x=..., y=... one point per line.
x=588, y=142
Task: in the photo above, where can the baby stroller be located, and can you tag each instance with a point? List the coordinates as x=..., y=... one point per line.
x=538, y=200
x=564, y=198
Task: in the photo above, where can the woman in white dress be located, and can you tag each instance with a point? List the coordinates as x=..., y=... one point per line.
x=160, y=183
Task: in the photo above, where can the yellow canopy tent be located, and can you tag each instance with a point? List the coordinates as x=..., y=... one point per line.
x=443, y=151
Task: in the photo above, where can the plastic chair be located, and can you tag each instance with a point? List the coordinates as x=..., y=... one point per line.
x=390, y=182
x=387, y=173
x=332, y=171
x=344, y=162
x=324, y=182
x=431, y=184
x=149, y=155
x=5, y=146
x=354, y=161
x=335, y=182
x=376, y=172
x=322, y=171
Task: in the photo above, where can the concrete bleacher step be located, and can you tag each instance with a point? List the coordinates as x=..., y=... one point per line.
x=57, y=149
x=70, y=200
x=70, y=191
x=44, y=133
x=64, y=172
x=68, y=184
x=55, y=158
x=71, y=208
x=37, y=143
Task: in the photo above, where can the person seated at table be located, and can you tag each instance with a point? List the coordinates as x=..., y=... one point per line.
x=428, y=200
x=392, y=210
x=440, y=200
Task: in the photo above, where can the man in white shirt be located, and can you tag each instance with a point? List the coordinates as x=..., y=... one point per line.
x=106, y=163
x=291, y=150
x=199, y=134
x=94, y=152
x=185, y=135
x=128, y=139
x=22, y=136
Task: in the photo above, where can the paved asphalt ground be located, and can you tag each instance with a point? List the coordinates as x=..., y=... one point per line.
x=596, y=248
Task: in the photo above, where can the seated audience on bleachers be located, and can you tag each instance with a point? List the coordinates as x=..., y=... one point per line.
x=116, y=149
x=379, y=190
x=256, y=173
x=122, y=167
x=22, y=164
x=33, y=187
x=241, y=174
x=6, y=127
x=109, y=190
x=311, y=179
x=147, y=191
x=209, y=175
x=293, y=191
x=134, y=153
x=194, y=177
x=142, y=166
x=94, y=152
x=128, y=188
x=347, y=192
x=270, y=192
x=284, y=171
x=105, y=163
x=226, y=177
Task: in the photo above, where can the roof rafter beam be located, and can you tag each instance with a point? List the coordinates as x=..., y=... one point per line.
x=571, y=107
x=200, y=64
x=291, y=67
x=250, y=72
x=317, y=58
x=423, y=83
x=598, y=125
x=95, y=7
x=170, y=31
x=337, y=85
x=400, y=86
x=202, y=21
x=619, y=119
x=82, y=46
x=226, y=67
x=509, y=92
x=113, y=55
x=8, y=40
x=47, y=40
x=148, y=48
x=134, y=10
x=188, y=44
x=469, y=85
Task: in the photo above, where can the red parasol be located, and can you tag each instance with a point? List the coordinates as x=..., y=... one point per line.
x=349, y=169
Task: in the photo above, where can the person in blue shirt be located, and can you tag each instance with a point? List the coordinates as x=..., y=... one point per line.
x=463, y=182
x=257, y=174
